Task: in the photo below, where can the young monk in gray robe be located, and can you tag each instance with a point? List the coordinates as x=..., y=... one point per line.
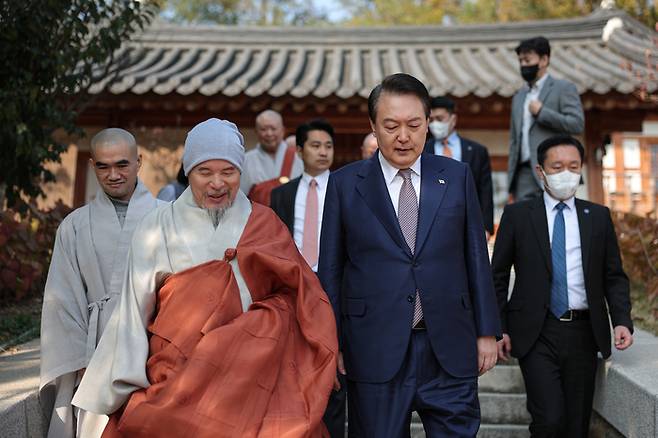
x=85, y=278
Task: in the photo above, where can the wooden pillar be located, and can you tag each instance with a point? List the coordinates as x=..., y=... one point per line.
x=593, y=142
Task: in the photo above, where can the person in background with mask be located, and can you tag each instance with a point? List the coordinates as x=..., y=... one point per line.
x=543, y=108
x=569, y=284
x=445, y=141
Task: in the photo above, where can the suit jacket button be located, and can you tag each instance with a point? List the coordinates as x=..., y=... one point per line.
x=410, y=298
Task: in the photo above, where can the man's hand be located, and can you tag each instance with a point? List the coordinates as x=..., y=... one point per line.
x=487, y=353
x=504, y=347
x=623, y=337
x=535, y=107
x=340, y=365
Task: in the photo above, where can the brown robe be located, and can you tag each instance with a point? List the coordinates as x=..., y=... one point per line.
x=218, y=372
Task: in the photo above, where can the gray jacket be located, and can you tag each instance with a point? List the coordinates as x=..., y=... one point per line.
x=561, y=113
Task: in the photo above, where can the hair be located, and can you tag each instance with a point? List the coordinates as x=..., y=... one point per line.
x=539, y=45
x=301, y=135
x=111, y=137
x=558, y=140
x=443, y=102
x=398, y=84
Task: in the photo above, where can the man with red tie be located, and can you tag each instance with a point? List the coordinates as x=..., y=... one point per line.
x=300, y=205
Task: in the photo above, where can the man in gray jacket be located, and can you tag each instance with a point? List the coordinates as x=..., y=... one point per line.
x=543, y=108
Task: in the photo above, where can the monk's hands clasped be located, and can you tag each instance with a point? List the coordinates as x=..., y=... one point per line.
x=487, y=353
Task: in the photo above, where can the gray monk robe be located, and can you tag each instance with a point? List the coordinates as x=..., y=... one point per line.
x=84, y=283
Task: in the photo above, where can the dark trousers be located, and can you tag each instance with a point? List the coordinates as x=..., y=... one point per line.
x=334, y=415
x=448, y=406
x=559, y=373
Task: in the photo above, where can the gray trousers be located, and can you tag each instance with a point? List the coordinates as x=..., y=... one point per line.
x=524, y=185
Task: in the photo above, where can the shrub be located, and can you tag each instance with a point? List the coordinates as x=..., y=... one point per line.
x=27, y=236
x=638, y=243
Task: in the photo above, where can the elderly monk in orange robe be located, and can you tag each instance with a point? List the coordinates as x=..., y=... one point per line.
x=222, y=329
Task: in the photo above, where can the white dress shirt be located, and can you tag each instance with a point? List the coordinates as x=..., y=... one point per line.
x=300, y=207
x=575, y=274
x=394, y=181
x=454, y=143
x=528, y=118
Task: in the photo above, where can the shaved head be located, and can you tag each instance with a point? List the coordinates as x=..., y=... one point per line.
x=113, y=137
x=269, y=115
x=269, y=129
x=116, y=162
x=369, y=146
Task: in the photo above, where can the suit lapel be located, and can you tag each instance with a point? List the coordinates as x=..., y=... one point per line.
x=467, y=151
x=518, y=113
x=585, y=227
x=548, y=85
x=540, y=227
x=372, y=189
x=432, y=191
x=294, y=185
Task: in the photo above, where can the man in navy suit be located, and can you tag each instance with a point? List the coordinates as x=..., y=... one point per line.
x=445, y=141
x=404, y=262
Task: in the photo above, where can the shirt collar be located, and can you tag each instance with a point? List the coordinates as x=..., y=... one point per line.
x=453, y=139
x=322, y=179
x=539, y=84
x=390, y=172
x=551, y=202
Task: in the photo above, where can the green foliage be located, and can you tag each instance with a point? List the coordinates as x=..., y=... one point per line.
x=638, y=243
x=246, y=12
x=52, y=51
x=27, y=237
x=392, y=12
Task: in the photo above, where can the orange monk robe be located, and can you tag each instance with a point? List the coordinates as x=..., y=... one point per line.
x=218, y=372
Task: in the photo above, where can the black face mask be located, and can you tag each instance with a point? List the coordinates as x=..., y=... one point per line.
x=529, y=72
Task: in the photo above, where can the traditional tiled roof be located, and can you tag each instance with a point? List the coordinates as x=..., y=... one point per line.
x=462, y=60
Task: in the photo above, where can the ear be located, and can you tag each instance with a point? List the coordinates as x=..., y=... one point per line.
x=300, y=150
x=139, y=161
x=539, y=172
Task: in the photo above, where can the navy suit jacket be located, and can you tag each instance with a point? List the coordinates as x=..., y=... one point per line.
x=477, y=157
x=371, y=276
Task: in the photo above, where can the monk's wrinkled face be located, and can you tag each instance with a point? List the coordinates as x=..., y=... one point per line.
x=116, y=166
x=214, y=184
x=270, y=131
x=400, y=128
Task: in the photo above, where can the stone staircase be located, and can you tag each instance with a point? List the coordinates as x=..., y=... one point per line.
x=502, y=405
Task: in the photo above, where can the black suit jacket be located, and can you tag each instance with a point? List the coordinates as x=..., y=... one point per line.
x=477, y=157
x=522, y=240
x=282, y=202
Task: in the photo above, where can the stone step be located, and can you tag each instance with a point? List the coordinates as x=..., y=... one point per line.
x=486, y=431
x=503, y=378
x=504, y=409
x=499, y=409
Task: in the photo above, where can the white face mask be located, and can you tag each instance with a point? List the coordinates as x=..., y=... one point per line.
x=440, y=130
x=563, y=185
